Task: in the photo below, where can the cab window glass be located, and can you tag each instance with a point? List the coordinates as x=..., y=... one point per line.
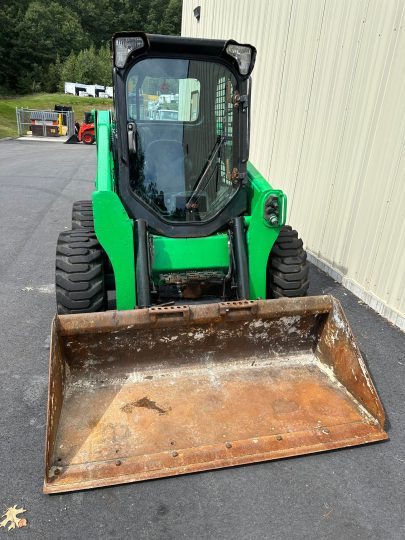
x=160, y=98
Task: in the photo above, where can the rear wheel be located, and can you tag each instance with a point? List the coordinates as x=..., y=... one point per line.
x=287, y=268
x=88, y=138
x=82, y=215
x=79, y=276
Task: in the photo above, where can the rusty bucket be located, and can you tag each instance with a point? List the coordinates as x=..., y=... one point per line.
x=163, y=391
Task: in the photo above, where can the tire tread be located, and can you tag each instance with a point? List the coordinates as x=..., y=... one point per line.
x=79, y=273
x=287, y=268
x=82, y=215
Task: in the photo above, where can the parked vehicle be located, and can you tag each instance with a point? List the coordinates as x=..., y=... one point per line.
x=165, y=114
x=184, y=338
x=84, y=132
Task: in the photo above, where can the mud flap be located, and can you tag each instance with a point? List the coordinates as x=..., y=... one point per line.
x=164, y=391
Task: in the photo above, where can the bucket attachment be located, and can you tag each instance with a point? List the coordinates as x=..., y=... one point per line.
x=73, y=139
x=164, y=391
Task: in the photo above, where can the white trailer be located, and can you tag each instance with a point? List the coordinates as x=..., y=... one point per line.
x=94, y=89
x=80, y=89
x=70, y=88
x=91, y=90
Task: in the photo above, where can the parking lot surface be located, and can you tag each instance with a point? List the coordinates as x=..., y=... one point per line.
x=357, y=493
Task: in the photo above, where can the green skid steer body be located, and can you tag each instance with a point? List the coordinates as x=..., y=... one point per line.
x=184, y=338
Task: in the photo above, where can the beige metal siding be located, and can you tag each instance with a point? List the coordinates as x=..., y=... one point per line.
x=328, y=127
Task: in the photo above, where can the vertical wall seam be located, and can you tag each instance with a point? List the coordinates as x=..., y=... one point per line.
x=292, y=197
x=386, y=209
x=281, y=83
x=346, y=116
x=361, y=183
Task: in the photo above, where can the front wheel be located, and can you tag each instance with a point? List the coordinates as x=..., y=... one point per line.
x=79, y=278
x=88, y=138
x=82, y=215
x=287, y=268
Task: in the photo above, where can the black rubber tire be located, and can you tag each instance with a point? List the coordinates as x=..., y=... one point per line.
x=82, y=215
x=88, y=138
x=287, y=268
x=79, y=275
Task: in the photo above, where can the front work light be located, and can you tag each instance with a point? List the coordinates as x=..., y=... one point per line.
x=275, y=209
x=242, y=54
x=123, y=46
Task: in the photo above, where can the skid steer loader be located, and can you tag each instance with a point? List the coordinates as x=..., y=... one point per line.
x=184, y=339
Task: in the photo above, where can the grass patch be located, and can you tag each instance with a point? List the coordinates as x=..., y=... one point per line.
x=8, y=122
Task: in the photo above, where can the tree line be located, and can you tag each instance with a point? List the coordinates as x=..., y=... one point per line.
x=43, y=44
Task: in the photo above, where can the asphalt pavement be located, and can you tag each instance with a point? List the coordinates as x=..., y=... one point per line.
x=356, y=493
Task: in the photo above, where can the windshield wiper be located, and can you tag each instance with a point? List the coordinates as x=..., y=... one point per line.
x=201, y=182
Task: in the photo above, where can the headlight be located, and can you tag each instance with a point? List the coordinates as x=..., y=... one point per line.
x=275, y=209
x=242, y=54
x=271, y=209
x=123, y=46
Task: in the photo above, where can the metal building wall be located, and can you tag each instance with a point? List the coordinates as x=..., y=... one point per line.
x=328, y=127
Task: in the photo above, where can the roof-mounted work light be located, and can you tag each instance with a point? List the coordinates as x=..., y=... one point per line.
x=124, y=46
x=243, y=55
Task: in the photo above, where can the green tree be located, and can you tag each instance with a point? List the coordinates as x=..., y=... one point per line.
x=104, y=56
x=90, y=66
x=10, y=13
x=171, y=21
x=155, y=15
x=33, y=33
x=44, y=31
x=68, y=71
x=52, y=79
x=87, y=66
x=48, y=29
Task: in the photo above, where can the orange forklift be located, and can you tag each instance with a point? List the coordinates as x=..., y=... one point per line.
x=84, y=132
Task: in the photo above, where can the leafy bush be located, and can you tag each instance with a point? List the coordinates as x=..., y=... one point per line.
x=43, y=44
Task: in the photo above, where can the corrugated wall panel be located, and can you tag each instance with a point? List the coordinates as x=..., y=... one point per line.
x=328, y=127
